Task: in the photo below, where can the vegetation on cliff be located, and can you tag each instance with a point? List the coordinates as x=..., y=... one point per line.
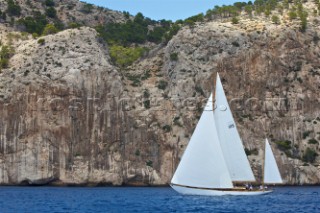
x=123, y=36
x=138, y=30
x=5, y=53
x=292, y=9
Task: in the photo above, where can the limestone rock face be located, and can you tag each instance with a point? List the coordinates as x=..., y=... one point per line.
x=68, y=115
x=68, y=118
x=55, y=121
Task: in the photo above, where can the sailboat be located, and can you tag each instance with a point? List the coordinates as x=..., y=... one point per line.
x=214, y=160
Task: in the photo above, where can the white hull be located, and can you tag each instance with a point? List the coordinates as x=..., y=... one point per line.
x=214, y=192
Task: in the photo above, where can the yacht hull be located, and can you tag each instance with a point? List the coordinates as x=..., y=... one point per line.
x=187, y=190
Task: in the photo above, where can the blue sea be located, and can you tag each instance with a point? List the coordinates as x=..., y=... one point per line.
x=151, y=199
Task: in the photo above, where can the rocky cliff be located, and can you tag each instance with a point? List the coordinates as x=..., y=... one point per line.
x=67, y=11
x=70, y=116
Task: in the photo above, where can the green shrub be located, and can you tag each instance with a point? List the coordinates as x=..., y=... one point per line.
x=251, y=152
x=41, y=41
x=5, y=53
x=34, y=24
x=4, y=63
x=162, y=84
x=174, y=56
x=59, y=25
x=126, y=14
x=284, y=145
x=297, y=66
x=146, y=75
x=87, y=8
x=316, y=38
x=189, y=23
x=309, y=155
x=306, y=134
x=235, y=43
x=267, y=12
x=235, y=20
x=124, y=33
x=70, y=5
x=166, y=128
x=149, y=163
x=137, y=31
x=174, y=29
x=156, y=34
x=303, y=24
x=146, y=104
x=13, y=9
x=49, y=3
x=125, y=56
x=74, y=25
x=312, y=141
x=195, y=18
x=176, y=121
x=275, y=19
x=135, y=79
x=248, y=10
x=199, y=90
x=50, y=29
x=51, y=12
x=292, y=15
x=146, y=93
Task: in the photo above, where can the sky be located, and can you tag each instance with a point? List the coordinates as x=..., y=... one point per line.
x=162, y=9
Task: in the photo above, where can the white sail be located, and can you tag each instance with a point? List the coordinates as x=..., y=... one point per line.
x=231, y=144
x=202, y=164
x=271, y=170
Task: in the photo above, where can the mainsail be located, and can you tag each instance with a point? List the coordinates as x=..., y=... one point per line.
x=271, y=170
x=203, y=164
x=231, y=144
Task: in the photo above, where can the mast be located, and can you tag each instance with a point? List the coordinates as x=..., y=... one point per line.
x=214, y=90
x=263, y=164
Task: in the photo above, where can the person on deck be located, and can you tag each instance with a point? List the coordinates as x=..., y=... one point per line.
x=247, y=186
